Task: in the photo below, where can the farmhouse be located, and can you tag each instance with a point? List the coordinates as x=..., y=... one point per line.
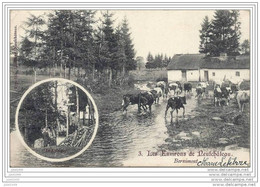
x=197, y=67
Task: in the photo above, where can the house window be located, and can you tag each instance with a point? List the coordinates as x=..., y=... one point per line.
x=213, y=74
x=237, y=73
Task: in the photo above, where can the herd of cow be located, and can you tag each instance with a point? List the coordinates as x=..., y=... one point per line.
x=176, y=94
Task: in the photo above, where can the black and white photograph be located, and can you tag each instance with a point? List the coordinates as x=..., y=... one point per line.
x=172, y=87
x=56, y=119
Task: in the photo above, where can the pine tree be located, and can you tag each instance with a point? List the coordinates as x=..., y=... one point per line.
x=35, y=33
x=205, y=34
x=131, y=63
x=56, y=37
x=221, y=35
x=121, y=57
x=150, y=58
x=107, y=46
x=85, y=41
x=34, y=25
x=150, y=61
x=225, y=32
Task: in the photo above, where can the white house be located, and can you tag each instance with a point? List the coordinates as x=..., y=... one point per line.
x=197, y=67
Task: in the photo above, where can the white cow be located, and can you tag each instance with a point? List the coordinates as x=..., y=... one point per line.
x=243, y=96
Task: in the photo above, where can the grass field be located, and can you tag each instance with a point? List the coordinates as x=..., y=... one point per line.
x=149, y=74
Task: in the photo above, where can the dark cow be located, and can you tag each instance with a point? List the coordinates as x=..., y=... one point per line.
x=132, y=99
x=147, y=100
x=157, y=93
x=187, y=87
x=200, y=91
x=176, y=87
x=234, y=88
x=201, y=88
x=179, y=86
x=176, y=103
x=221, y=95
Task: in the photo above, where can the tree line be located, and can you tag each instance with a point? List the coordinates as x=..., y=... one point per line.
x=222, y=34
x=157, y=61
x=73, y=40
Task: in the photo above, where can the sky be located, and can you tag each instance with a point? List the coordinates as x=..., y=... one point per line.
x=157, y=31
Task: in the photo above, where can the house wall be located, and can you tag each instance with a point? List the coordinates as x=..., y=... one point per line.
x=229, y=74
x=192, y=75
x=220, y=74
x=174, y=75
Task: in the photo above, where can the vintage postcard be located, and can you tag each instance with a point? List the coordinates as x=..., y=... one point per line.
x=130, y=88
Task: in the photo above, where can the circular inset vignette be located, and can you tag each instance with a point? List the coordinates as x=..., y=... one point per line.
x=55, y=159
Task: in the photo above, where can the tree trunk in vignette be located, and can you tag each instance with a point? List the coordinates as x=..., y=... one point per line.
x=110, y=77
x=56, y=107
x=84, y=113
x=89, y=115
x=77, y=107
x=67, y=122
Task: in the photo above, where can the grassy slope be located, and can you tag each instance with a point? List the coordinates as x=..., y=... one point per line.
x=234, y=128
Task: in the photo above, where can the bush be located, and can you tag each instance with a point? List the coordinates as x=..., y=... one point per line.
x=29, y=72
x=130, y=81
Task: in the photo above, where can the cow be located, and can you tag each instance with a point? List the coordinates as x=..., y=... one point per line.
x=162, y=85
x=221, y=94
x=201, y=88
x=187, y=87
x=147, y=100
x=176, y=87
x=234, y=88
x=243, y=96
x=132, y=99
x=157, y=93
x=200, y=91
x=175, y=103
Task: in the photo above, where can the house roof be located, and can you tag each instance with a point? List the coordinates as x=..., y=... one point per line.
x=199, y=61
